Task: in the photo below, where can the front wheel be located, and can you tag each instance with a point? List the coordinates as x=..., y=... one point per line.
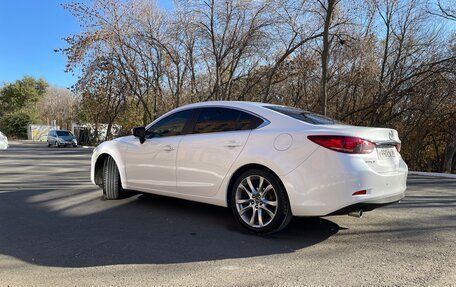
x=111, y=180
x=259, y=202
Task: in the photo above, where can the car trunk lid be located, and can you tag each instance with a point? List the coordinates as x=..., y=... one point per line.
x=385, y=158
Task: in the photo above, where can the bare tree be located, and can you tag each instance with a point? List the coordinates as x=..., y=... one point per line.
x=375, y=62
x=57, y=105
x=444, y=10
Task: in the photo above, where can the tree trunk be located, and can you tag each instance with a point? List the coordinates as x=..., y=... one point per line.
x=108, y=131
x=450, y=152
x=325, y=57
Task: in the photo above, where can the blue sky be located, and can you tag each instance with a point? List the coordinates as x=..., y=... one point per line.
x=30, y=30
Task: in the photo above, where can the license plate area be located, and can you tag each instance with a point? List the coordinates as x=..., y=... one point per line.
x=386, y=153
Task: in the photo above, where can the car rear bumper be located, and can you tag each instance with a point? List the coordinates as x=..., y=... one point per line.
x=370, y=204
x=325, y=183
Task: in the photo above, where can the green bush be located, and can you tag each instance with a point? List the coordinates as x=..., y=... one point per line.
x=14, y=125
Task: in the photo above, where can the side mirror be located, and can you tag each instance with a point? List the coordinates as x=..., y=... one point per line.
x=140, y=132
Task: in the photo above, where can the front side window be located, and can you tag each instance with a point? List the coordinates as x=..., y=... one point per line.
x=172, y=125
x=217, y=119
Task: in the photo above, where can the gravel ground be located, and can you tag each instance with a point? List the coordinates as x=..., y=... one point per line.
x=55, y=230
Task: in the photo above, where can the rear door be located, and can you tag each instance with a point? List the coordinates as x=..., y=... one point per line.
x=205, y=156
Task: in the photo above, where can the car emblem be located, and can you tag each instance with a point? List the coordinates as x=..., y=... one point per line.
x=391, y=135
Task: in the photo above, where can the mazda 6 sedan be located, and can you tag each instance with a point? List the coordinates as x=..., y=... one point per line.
x=267, y=163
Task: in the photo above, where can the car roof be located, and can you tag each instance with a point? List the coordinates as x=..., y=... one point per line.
x=236, y=104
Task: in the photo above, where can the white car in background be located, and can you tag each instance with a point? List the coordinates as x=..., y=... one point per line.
x=265, y=162
x=3, y=141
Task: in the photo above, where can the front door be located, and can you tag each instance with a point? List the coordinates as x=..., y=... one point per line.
x=151, y=166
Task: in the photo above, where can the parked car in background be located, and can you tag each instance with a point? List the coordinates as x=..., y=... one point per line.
x=3, y=141
x=61, y=138
x=265, y=162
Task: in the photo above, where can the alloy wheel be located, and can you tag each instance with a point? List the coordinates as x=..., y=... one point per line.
x=256, y=201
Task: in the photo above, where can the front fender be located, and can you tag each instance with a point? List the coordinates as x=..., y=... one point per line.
x=114, y=149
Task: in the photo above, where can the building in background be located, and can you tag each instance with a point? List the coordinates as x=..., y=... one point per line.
x=86, y=134
x=89, y=134
x=39, y=132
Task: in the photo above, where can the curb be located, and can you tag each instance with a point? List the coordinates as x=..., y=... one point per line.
x=433, y=174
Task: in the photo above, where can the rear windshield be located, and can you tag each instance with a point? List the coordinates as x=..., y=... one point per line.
x=304, y=116
x=64, y=134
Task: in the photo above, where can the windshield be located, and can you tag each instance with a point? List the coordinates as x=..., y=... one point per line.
x=64, y=134
x=304, y=116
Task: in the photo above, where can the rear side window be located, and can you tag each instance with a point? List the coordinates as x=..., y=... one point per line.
x=172, y=125
x=304, y=116
x=216, y=119
x=248, y=121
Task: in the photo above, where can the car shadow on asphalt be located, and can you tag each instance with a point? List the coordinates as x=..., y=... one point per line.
x=139, y=229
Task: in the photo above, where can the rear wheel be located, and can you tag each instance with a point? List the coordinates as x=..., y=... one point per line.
x=49, y=145
x=259, y=202
x=111, y=180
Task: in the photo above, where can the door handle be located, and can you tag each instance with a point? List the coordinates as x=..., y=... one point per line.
x=233, y=144
x=168, y=148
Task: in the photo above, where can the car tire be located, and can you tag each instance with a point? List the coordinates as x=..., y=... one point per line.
x=111, y=180
x=75, y=145
x=49, y=145
x=57, y=144
x=259, y=202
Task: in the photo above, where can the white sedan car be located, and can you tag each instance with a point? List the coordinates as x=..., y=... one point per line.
x=265, y=162
x=3, y=141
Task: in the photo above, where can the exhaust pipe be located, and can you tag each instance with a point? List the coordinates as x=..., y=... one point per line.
x=357, y=213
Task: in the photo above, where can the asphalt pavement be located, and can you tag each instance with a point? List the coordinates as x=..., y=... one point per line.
x=56, y=230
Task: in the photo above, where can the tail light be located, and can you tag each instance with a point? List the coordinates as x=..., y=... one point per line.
x=398, y=147
x=344, y=144
x=360, y=192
